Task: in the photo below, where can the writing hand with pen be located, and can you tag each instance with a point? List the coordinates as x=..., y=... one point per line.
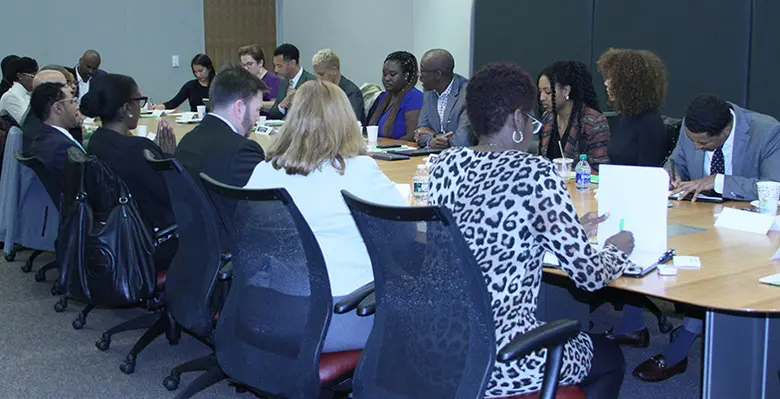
x=683, y=188
x=623, y=240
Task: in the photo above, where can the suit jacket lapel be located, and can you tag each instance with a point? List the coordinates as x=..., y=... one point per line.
x=740, y=143
x=698, y=164
x=451, y=100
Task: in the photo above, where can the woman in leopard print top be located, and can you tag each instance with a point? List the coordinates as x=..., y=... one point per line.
x=511, y=208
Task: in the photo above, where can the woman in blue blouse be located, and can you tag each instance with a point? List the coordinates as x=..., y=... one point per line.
x=397, y=109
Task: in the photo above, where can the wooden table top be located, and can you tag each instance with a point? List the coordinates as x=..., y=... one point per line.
x=732, y=261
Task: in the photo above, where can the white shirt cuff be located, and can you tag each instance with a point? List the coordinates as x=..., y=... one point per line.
x=282, y=110
x=719, y=183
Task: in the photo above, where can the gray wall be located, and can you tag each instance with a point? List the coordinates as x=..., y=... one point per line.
x=722, y=47
x=135, y=38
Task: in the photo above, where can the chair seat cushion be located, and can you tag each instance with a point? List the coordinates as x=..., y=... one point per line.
x=564, y=392
x=161, y=276
x=336, y=364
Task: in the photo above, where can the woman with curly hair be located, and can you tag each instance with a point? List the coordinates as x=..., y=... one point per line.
x=636, y=86
x=571, y=114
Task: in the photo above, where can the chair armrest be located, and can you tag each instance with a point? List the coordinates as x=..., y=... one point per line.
x=550, y=334
x=226, y=272
x=367, y=307
x=165, y=231
x=351, y=301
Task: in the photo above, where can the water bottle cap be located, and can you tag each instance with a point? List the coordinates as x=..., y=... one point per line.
x=583, y=156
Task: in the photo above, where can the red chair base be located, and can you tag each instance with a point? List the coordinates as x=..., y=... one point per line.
x=564, y=392
x=337, y=364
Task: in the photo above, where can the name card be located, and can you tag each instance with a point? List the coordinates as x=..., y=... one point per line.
x=750, y=222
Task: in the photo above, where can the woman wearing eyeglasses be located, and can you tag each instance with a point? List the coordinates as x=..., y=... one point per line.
x=512, y=208
x=117, y=101
x=571, y=114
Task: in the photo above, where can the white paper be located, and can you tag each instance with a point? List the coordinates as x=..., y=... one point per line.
x=157, y=113
x=687, y=262
x=751, y=222
x=405, y=190
x=638, y=196
x=89, y=121
x=776, y=255
x=151, y=136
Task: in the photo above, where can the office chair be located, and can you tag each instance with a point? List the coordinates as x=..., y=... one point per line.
x=433, y=333
x=196, y=268
x=51, y=182
x=271, y=330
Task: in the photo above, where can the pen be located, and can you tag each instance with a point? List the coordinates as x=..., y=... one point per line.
x=667, y=256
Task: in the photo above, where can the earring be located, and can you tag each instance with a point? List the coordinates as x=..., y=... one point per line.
x=567, y=97
x=130, y=116
x=515, y=139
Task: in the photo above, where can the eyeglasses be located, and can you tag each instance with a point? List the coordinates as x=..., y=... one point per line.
x=29, y=75
x=141, y=100
x=536, y=124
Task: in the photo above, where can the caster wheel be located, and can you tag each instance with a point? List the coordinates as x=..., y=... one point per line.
x=60, y=306
x=127, y=367
x=27, y=266
x=11, y=256
x=40, y=276
x=171, y=383
x=103, y=344
x=79, y=323
x=241, y=389
x=673, y=334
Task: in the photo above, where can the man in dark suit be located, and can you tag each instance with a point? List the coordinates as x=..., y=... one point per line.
x=327, y=66
x=87, y=68
x=31, y=124
x=218, y=145
x=287, y=65
x=443, y=119
x=53, y=104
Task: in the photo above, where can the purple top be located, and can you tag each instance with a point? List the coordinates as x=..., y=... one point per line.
x=412, y=101
x=272, y=81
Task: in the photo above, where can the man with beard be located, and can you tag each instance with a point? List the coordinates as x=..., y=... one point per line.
x=218, y=145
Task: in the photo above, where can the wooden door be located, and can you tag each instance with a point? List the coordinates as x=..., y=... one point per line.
x=230, y=24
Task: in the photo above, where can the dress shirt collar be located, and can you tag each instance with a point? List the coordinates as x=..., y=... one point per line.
x=227, y=122
x=447, y=91
x=68, y=135
x=297, y=77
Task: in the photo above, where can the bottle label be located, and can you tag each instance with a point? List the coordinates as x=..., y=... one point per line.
x=420, y=187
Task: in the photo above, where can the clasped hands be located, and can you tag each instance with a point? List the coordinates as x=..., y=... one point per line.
x=440, y=141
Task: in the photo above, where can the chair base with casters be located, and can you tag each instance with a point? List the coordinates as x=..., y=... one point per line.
x=157, y=324
x=40, y=275
x=29, y=262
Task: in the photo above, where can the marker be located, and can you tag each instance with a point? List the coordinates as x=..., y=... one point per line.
x=622, y=224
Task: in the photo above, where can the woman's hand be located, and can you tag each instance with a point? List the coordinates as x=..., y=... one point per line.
x=165, y=138
x=623, y=240
x=590, y=222
x=158, y=107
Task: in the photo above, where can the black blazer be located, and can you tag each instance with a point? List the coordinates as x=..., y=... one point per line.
x=125, y=156
x=213, y=148
x=51, y=146
x=638, y=140
x=30, y=128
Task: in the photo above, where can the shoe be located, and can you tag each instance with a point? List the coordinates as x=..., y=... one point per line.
x=639, y=339
x=655, y=369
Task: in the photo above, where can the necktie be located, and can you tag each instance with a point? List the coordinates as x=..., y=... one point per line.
x=717, y=166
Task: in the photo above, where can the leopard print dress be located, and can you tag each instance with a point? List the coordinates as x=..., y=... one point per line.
x=512, y=207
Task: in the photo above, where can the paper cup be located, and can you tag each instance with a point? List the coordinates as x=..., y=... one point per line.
x=261, y=120
x=563, y=167
x=141, y=131
x=201, y=111
x=373, y=134
x=768, y=196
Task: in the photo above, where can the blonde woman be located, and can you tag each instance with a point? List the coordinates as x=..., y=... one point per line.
x=319, y=152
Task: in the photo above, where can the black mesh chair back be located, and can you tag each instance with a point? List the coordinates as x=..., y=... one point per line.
x=192, y=275
x=270, y=331
x=433, y=334
x=672, y=126
x=50, y=179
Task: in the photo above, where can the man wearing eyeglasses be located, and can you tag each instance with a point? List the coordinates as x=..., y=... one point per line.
x=56, y=107
x=16, y=100
x=443, y=119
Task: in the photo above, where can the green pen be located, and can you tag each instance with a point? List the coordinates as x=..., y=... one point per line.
x=622, y=224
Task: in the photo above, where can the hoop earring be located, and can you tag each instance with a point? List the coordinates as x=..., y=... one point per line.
x=515, y=139
x=130, y=116
x=567, y=97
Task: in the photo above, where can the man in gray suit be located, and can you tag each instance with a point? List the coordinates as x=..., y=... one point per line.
x=287, y=65
x=725, y=149
x=443, y=120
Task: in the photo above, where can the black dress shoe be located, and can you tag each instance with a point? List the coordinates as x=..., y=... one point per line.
x=639, y=339
x=655, y=369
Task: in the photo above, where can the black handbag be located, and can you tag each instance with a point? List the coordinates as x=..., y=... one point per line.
x=106, y=254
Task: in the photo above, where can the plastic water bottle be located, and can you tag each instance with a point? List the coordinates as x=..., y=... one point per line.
x=582, y=175
x=420, y=182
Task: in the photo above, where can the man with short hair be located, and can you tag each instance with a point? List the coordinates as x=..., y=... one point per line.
x=253, y=59
x=218, y=146
x=722, y=149
x=87, y=68
x=327, y=66
x=443, y=120
x=32, y=125
x=287, y=65
x=52, y=103
x=17, y=99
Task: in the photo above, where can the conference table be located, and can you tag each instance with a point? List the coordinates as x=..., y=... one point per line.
x=742, y=323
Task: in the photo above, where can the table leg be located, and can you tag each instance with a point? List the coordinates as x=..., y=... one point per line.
x=741, y=356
